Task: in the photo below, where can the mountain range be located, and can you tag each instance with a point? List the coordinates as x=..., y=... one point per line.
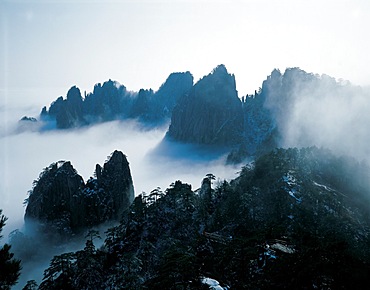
x=294, y=218
x=209, y=112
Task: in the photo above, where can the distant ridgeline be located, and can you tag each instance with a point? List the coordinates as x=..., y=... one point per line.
x=207, y=113
x=111, y=101
x=63, y=205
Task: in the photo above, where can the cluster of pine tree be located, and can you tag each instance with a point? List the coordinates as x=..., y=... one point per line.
x=294, y=219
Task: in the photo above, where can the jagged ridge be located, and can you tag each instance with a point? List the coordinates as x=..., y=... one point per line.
x=112, y=101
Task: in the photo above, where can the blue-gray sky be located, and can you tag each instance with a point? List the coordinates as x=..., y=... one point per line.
x=48, y=46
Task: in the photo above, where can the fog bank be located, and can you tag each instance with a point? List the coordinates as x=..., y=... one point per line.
x=24, y=155
x=313, y=110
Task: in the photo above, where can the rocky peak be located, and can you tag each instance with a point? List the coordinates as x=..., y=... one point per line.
x=65, y=205
x=205, y=189
x=221, y=75
x=212, y=112
x=176, y=86
x=74, y=95
x=177, y=83
x=116, y=163
x=116, y=178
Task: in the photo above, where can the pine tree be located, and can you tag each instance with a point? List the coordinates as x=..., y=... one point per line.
x=9, y=267
x=89, y=272
x=59, y=275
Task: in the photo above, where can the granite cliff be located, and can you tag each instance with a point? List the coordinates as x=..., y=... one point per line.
x=211, y=114
x=62, y=203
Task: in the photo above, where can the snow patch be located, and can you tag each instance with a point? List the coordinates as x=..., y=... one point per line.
x=289, y=179
x=117, y=85
x=213, y=284
x=292, y=194
x=292, y=186
x=283, y=248
x=60, y=163
x=327, y=188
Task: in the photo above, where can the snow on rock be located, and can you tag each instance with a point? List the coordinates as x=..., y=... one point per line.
x=213, y=284
x=292, y=185
x=290, y=179
x=327, y=188
x=283, y=248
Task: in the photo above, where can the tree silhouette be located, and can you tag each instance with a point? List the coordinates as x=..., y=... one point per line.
x=9, y=267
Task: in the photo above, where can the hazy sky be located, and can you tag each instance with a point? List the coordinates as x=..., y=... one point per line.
x=48, y=46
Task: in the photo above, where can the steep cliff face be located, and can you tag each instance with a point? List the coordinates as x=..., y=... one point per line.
x=55, y=195
x=62, y=203
x=211, y=114
x=115, y=178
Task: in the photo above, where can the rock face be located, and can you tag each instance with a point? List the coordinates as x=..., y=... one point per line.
x=112, y=101
x=211, y=114
x=115, y=178
x=63, y=204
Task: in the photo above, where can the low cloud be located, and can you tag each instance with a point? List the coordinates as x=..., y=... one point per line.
x=321, y=111
x=24, y=155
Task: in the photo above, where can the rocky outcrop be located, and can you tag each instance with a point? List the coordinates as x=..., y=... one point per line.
x=154, y=107
x=62, y=203
x=211, y=113
x=177, y=85
x=114, y=178
x=112, y=101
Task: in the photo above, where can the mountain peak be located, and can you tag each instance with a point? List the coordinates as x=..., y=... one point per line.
x=220, y=69
x=62, y=203
x=211, y=114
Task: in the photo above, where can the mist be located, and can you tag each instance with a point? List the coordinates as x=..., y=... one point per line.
x=24, y=155
x=324, y=112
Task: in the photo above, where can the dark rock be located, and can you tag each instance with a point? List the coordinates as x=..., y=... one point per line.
x=176, y=86
x=64, y=205
x=70, y=115
x=28, y=119
x=112, y=101
x=141, y=107
x=211, y=113
x=115, y=178
x=109, y=101
x=156, y=107
x=205, y=189
x=27, y=124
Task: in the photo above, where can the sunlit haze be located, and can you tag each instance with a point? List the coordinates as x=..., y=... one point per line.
x=56, y=44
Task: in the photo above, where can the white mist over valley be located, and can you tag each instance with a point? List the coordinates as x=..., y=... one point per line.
x=24, y=155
